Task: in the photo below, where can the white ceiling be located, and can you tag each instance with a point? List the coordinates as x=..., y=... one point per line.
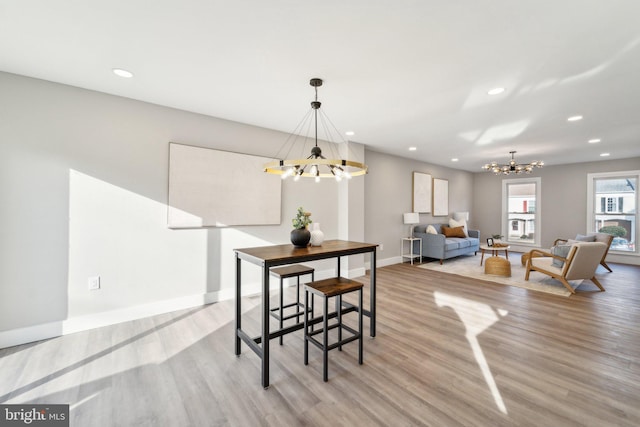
x=399, y=74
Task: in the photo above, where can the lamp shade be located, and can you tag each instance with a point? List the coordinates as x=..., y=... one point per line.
x=411, y=218
x=459, y=216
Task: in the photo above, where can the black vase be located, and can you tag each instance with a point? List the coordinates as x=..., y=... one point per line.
x=300, y=237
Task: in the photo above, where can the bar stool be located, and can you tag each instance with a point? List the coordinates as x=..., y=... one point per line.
x=334, y=287
x=282, y=273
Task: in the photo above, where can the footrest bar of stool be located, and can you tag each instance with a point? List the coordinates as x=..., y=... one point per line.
x=293, y=304
x=343, y=342
x=299, y=312
x=319, y=331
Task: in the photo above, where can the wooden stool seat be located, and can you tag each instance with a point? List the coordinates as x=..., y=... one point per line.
x=328, y=288
x=295, y=270
x=291, y=271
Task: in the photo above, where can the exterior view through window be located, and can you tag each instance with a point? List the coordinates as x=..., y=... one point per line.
x=522, y=219
x=615, y=202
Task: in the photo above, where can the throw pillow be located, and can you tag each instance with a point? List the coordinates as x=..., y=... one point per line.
x=462, y=223
x=431, y=229
x=453, y=232
x=583, y=238
x=560, y=250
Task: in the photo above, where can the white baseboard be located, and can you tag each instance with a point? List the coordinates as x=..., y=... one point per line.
x=385, y=262
x=82, y=323
x=29, y=334
x=49, y=330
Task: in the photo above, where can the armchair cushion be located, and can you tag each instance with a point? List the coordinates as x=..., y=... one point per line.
x=546, y=263
x=592, y=237
x=561, y=251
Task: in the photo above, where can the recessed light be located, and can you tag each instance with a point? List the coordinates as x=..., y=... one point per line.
x=413, y=148
x=496, y=91
x=605, y=154
x=594, y=141
x=122, y=73
x=349, y=133
x=574, y=118
x=454, y=160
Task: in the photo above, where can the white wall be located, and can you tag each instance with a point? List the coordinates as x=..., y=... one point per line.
x=83, y=192
x=389, y=194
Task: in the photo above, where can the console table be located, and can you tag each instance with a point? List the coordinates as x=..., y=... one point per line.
x=271, y=256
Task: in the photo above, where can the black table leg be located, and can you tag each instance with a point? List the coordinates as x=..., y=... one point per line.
x=265, y=326
x=372, y=296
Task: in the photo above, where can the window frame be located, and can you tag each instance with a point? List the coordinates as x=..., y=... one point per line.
x=506, y=222
x=591, y=215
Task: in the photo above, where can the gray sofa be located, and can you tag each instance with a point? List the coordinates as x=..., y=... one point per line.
x=440, y=247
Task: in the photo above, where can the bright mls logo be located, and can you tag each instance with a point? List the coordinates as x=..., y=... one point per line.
x=34, y=415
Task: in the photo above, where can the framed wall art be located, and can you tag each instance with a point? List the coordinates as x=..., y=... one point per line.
x=421, y=192
x=213, y=188
x=440, y=197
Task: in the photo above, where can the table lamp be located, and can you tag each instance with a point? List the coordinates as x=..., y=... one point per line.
x=411, y=218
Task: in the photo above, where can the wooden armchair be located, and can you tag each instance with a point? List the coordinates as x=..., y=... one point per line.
x=600, y=237
x=581, y=263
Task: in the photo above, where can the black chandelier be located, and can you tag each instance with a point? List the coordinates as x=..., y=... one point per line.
x=316, y=165
x=512, y=166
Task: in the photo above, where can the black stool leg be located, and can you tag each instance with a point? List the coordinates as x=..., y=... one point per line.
x=281, y=304
x=325, y=340
x=339, y=309
x=298, y=312
x=306, y=328
x=313, y=279
x=360, y=327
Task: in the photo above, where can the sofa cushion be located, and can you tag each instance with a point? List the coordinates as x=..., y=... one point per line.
x=461, y=223
x=451, y=244
x=464, y=243
x=453, y=232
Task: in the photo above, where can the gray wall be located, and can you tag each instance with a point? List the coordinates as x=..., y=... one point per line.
x=563, y=204
x=83, y=192
x=389, y=194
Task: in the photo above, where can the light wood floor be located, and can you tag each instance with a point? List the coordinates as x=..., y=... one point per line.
x=449, y=352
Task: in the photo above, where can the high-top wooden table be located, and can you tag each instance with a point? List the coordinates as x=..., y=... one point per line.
x=271, y=256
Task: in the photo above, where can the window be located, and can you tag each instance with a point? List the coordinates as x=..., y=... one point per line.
x=613, y=208
x=520, y=215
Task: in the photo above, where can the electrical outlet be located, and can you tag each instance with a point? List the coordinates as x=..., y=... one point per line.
x=94, y=283
x=381, y=247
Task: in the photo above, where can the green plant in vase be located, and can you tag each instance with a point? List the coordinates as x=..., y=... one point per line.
x=302, y=219
x=300, y=235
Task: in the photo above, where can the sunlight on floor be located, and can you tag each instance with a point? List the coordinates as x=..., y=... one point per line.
x=135, y=345
x=476, y=318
